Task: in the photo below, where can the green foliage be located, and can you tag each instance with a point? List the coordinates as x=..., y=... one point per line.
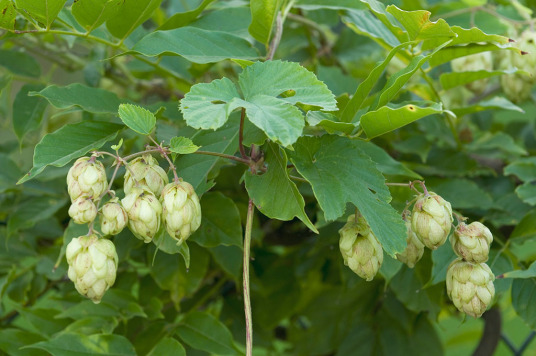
x=285, y=117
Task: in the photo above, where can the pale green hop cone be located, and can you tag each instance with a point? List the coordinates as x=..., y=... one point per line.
x=472, y=242
x=92, y=265
x=473, y=63
x=144, y=213
x=114, y=217
x=181, y=211
x=414, y=249
x=431, y=220
x=83, y=210
x=360, y=249
x=470, y=286
x=86, y=177
x=146, y=171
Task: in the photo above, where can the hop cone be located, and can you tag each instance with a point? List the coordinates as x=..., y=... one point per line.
x=83, y=210
x=92, y=265
x=147, y=172
x=431, y=220
x=470, y=286
x=181, y=211
x=473, y=63
x=360, y=249
x=114, y=218
x=414, y=250
x=527, y=62
x=472, y=242
x=517, y=88
x=86, y=177
x=144, y=212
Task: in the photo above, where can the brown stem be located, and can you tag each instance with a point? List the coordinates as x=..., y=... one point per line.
x=277, y=37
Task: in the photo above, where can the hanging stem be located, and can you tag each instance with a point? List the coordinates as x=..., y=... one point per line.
x=247, y=300
x=163, y=152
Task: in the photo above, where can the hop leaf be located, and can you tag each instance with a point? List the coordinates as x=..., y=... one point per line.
x=92, y=265
x=360, y=249
x=181, y=211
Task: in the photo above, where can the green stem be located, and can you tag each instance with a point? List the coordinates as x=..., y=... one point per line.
x=247, y=300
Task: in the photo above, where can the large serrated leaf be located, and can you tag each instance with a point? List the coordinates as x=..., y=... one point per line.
x=137, y=118
x=274, y=194
x=71, y=141
x=341, y=173
x=196, y=45
x=90, y=99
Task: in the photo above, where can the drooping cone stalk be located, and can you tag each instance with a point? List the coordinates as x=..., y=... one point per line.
x=360, y=249
x=86, y=177
x=114, y=218
x=470, y=286
x=414, y=250
x=92, y=265
x=83, y=210
x=147, y=172
x=431, y=220
x=144, y=213
x=181, y=211
x=472, y=242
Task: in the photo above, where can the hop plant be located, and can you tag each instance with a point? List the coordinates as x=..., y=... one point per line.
x=472, y=242
x=92, y=265
x=114, y=217
x=181, y=211
x=83, y=210
x=144, y=213
x=414, y=250
x=431, y=220
x=360, y=249
x=86, y=177
x=146, y=171
x=473, y=63
x=470, y=286
x=527, y=62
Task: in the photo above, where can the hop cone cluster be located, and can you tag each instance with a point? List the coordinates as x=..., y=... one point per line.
x=472, y=242
x=181, y=211
x=431, y=220
x=114, y=217
x=360, y=249
x=144, y=213
x=470, y=286
x=473, y=63
x=146, y=171
x=92, y=265
x=414, y=250
x=86, y=177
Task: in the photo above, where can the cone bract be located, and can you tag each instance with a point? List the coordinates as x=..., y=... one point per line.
x=473, y=63
x=360, y=249
x=181, y=211
x=92, y=265
x=86, y=178
x=83, y=210
x=470, y=286
x=472, y=242
x=414, y=249
x=144, y=213
x=431, y=220
x=114, y=217
x=147, y=172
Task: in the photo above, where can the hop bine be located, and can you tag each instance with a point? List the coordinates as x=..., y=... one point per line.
x=92, y=265
x=181, y=211
x=146, y=172
x=431, y=220
x=86, y=177
x=470, y=286
x=360, y=249
x=144, y=213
